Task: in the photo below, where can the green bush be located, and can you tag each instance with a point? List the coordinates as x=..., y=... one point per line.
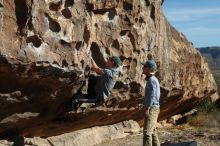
x=206, y=106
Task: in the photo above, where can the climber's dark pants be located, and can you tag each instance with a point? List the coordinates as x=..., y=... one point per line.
x=91, y=86
x=90, y=97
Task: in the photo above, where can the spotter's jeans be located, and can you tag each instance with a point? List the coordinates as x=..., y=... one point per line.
x=150, y=137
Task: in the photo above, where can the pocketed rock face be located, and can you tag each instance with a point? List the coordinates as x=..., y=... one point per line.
x=45, y=47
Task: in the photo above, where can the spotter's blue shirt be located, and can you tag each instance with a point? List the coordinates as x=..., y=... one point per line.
x=152, y=92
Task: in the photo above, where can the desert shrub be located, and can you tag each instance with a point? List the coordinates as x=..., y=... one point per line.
x=206, y=106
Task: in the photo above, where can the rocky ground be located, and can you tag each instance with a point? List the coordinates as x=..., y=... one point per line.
x=201, y=128
x=190, y=129
x=169, y=136
x=175, y=136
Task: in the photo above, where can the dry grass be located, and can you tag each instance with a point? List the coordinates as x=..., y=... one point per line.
x=210, y=119
x=217, y=79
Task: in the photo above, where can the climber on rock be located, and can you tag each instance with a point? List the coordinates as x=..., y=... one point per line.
x=99, y=87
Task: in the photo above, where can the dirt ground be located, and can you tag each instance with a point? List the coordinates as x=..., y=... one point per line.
x=174, y=136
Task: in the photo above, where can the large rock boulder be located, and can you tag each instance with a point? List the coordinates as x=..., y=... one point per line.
x=44, y=49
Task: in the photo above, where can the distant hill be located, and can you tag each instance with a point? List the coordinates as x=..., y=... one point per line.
x=212, y=54
x=213, y=51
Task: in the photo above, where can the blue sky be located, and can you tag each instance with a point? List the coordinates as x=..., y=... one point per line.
x=199, y=20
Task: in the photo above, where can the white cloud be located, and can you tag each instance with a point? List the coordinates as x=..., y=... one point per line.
x=191, y=14
x=202, y=31
x=203, y=36
x=195, y=11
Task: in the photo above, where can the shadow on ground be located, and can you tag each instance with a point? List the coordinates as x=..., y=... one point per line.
x=192, y=143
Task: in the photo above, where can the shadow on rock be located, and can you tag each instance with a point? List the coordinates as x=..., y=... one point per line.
x=192, y=143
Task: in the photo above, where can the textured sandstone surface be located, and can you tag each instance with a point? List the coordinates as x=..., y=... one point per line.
x=90, y=136
x=44, y=49
x=85, y=137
